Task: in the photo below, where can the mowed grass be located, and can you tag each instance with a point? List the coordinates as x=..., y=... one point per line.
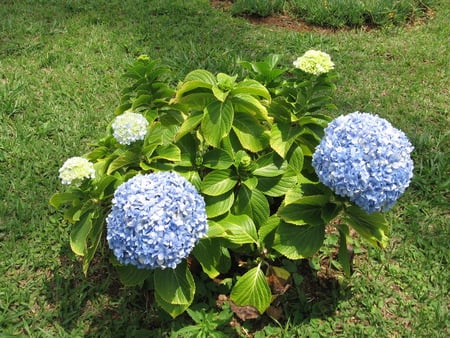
x=60, y=78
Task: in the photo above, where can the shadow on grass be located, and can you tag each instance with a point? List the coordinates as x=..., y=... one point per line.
x=98, y=305
x=313, y=295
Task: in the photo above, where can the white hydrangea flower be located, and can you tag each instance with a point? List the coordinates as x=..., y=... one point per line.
x=75, y=170
x=314, y=62
x=129, y=127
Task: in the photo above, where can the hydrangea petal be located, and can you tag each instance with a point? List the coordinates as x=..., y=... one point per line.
x=155, y=220
x=314, y=62
x=363, y=157
x=75, y=170
x=129, y=127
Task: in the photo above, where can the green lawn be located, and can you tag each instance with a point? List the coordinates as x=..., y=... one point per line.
x=60, y=79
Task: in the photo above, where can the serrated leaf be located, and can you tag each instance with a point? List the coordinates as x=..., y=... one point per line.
x=372, y=227
x=202, y=76
x=217, y=122
x=79, y=234
x=124, y=160
x=208, y=253
x=268, y=227
x=251, y=87
x=130, y=275
x=252, y=289
x=277, y=186
x=282, y=137
x=251, y=134
x=252, y=203
x=219, y=94
x=219, y=205
x=245, y=103
x=174, y=310
x=270, y=165
x=217, y=159
x=61, y=198
x=297, y=242
x=215, y=230
x=168, y=152
x=189, y=124
x=240, y=229
x=306, y=210
x=343, y=255
x=93, y=241
x=218, y=182
x=175, y=286
x=296, y=159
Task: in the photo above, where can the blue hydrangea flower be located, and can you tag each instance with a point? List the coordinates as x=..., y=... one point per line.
x=363, y=157
x=129, y=127
x=155, y=220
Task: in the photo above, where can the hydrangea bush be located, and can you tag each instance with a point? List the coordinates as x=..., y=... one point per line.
x=230, y=175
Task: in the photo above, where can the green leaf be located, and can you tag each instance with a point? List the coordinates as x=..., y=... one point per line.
x=277, y=186
x=372, y=227
x=282, y=137
x=240, y=229
x=343, y=256
x=297, y=242
x=252, y=203
x=168, y=152
x=61, y=198
x=93, y=240
x=252, y=289
x=79, y=234
x=189, y=124
x=270, y=165
x=306, y=210
x=219, y=94
x=99, y=152
x=201, y=75
x=124, y=160
x=296, y=159
x=225, y=81
x=208, y=252
x=251, y=87
x=217, y=159
x=141, y=100
x=268, y=227
x=250, y=132
x=218, y=182
x=130, y=275
x=217, y=122
x=219, y=205
x=175, y=286
x=104, y=185
x=173, y=310
x=215, y=230
x=245, y=103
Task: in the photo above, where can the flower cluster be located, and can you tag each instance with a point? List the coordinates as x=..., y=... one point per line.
x=314, y=62
x=129, y=127
x=75, y=170
x=366, y=159
x=155, y=220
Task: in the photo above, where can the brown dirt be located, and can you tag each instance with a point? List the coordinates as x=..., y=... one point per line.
x=277, y=21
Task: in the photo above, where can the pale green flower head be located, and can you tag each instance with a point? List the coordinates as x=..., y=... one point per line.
x=143, y=57
x=129, y=127
x=314, y=62
x=75, y=170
